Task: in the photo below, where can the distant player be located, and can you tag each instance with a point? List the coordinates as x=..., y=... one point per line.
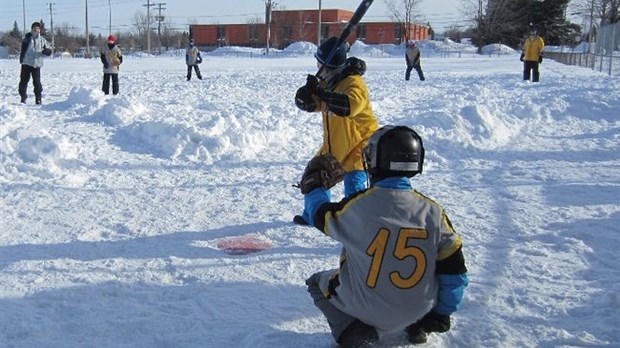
x=34, y=47
x=402, y=265
x=412, y=58
x=111, y=58
x=192, y=59
x=532, y=55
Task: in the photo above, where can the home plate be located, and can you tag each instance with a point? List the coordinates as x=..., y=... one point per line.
x=242, y=245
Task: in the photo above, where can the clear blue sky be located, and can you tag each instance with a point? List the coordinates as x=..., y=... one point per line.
x=440, y=13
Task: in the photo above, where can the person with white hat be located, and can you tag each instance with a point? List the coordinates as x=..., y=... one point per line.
x=412, y=57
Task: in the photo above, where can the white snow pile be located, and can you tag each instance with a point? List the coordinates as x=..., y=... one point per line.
x=301, y=47
x=498, y=49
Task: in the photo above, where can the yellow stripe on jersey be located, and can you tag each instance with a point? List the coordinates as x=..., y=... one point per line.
x=330, y=214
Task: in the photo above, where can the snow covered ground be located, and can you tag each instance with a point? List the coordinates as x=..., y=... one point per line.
x=112, y=207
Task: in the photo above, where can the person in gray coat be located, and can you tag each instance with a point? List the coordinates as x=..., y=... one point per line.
x=192, y=59
x=111, y=57
x=34, y=47
x=412, y=57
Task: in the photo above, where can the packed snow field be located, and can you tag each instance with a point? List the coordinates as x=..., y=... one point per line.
x=113, y=207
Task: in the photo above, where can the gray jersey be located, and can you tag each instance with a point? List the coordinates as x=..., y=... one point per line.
x=387, y=273
x=113, y=58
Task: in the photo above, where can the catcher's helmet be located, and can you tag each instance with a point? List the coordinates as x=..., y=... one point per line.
x=394, y=151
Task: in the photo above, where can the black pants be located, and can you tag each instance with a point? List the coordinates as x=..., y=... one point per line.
x=417, y=68
x=106, y=83
x=24, y=78
x=189, y=72
x=530, y=66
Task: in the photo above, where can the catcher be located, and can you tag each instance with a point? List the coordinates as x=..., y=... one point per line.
x=402, y=265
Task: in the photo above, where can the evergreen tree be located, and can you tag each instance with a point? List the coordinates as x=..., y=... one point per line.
x=15, y=33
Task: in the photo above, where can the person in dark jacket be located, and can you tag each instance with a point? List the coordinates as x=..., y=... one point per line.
x=412, y=58
x=34, y=47
x=111, y=58
x=192, y=59
x=401, y=264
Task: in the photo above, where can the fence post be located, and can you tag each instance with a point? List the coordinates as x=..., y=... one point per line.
x=611, y=51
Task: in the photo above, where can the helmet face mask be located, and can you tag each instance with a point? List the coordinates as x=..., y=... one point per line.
x=394, y=151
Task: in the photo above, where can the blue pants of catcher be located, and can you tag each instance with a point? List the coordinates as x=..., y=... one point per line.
x=354, y=181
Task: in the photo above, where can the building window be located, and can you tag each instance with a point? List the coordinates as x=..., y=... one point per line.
x=288, y=32
x=361, y=32
x=398, y=34
x=221, y=35
x=324, y=32
x=253, y=32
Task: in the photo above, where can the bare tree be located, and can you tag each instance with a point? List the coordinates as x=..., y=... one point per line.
x=141, y=24
x=404, y=12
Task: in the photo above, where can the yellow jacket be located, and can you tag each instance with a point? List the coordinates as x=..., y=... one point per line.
x=533, y=48
x=348, y=134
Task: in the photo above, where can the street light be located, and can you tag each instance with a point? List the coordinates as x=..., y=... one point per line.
x=110, y=17
x=24, y=12
x=318, y=36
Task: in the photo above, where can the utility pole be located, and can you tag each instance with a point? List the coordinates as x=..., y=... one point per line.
x=87, y=35
x=269, y=4
x=160, y=19
x=318, y=35
x=52, y=26
x=148, y=25
x=24, y=12
x=109, y=18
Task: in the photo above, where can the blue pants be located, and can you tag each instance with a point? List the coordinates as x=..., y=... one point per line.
x=354, y=181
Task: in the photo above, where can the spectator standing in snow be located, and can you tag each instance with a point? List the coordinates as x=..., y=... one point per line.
x=412, y=58
x=532, y=55
x=192, y=59
x=34, y=47
x=348, y=120
x=401, y=264
x=111, y=58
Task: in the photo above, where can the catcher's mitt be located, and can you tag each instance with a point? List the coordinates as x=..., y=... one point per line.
x=322, y=171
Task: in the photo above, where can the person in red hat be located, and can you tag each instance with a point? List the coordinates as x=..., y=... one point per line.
x=111, y=57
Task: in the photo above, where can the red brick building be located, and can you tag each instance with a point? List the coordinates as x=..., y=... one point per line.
x=301, y=25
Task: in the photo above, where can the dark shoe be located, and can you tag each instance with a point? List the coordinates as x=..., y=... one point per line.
x=415, y=334
x=200, y=77
x=23, y=101
x=38, y=101
x=359, y=335
x=299, y=220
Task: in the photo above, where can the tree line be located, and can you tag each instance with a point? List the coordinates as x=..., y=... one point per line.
x=164, y=37
x=491, y=21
